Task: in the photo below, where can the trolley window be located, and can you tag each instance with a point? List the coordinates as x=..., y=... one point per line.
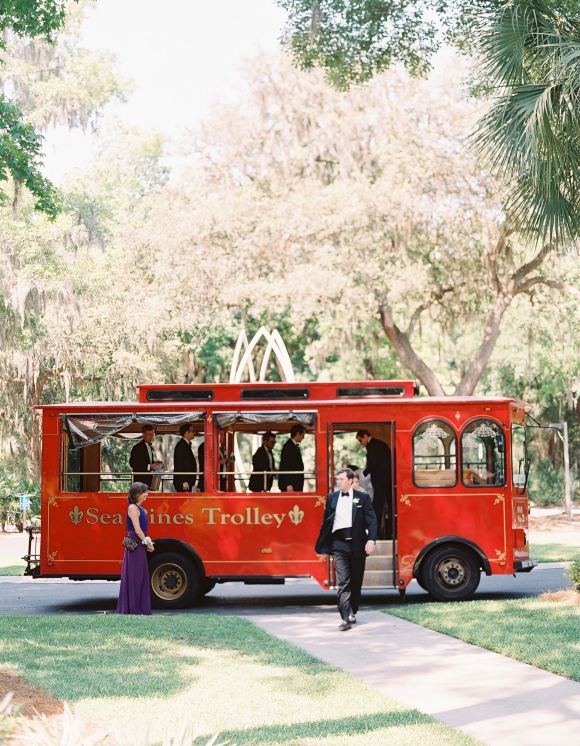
x=264, y=452
x=434, y=455
x=519, y=456
x=98, y=451
x=482, y=454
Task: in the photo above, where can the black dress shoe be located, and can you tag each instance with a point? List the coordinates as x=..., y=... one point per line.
x=352, y=619
x=343, y=626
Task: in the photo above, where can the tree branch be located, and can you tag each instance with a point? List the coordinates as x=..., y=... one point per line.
x=436, y=295
x=518, y=276
x=407, y=354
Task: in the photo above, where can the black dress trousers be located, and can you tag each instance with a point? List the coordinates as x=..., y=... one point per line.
x=349, y=572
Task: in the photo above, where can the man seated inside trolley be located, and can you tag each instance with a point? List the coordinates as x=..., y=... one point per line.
x=282, y=458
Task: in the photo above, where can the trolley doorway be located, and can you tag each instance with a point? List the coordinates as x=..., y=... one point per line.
x=346, y=450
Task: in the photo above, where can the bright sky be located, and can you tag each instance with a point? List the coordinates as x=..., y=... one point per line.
x=181, y=55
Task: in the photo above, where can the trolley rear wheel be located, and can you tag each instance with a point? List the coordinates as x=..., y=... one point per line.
x=174, y=581
x=450, y=574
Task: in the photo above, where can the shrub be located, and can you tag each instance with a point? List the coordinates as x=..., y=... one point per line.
x=573, y=574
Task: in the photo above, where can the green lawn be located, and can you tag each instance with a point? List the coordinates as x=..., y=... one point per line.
x=554, y=546
x=221, y=673
x=543, y=633
x=11, y=566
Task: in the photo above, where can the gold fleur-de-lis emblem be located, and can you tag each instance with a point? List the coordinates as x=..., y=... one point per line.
x=76, y=515
x=296, y=515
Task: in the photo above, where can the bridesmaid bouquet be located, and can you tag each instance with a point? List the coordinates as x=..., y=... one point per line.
x=148, y=543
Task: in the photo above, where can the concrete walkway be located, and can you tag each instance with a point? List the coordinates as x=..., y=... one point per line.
x=498, y=700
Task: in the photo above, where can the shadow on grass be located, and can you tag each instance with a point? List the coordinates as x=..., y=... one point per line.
x=322, y=728
x=75, y=657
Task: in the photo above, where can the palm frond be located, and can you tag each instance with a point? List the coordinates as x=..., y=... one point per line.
x=531, y=133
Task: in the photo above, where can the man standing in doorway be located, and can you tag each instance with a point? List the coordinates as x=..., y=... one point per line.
x=379, y=468
x=184, y=462
x=141, y=459
x=291, y=460
x=348, y=532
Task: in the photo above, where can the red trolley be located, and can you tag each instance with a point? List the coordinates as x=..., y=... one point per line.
x=459, y=486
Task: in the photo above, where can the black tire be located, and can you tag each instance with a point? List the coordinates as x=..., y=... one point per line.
x=419, y=578
x=207, y=586
x=450, y=574
x=174, y=581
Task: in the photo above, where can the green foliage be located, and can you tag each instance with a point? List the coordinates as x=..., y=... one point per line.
x=32, y=18
x=573, y=574
x=354, y=40
x=20, y=145
x=20, y=158
x=12, y=485
x=530, y=55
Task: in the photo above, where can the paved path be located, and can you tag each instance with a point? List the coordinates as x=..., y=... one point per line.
x=498, y=700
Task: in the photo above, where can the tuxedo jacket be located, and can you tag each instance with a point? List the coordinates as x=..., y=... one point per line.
x=364, y=523
x=261, y=462
x=291, y=460
x=184, y=460
x=378, y=463
x=140, y=461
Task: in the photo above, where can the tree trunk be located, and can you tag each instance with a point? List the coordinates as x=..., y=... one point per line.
x=469, y=381
x=407, y=354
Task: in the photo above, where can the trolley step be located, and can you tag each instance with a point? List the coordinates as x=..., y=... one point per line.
x=378, y=579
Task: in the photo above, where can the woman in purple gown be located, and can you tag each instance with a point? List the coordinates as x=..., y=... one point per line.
x=134, y=593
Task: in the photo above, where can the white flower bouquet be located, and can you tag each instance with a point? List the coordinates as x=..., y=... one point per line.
x=148, y=543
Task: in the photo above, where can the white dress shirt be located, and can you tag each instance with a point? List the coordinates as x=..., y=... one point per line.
x=150, y=451
x=343, y=515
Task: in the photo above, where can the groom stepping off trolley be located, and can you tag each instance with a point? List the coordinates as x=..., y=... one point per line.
x=348, y=532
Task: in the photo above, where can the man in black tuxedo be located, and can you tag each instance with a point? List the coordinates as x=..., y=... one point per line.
x=263, y=460
x=348, y=532
x=184, y=461
x=291, y=460
x=379, y=468
x=141, y=459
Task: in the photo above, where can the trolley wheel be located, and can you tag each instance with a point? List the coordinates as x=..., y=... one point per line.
x=207, y=585
x=450, y=574
x=174, y=581
x=419, y=579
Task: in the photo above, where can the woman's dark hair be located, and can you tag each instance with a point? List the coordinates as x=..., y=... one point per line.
x=135, y=492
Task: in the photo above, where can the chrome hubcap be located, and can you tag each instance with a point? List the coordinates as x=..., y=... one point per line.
x=451, y=572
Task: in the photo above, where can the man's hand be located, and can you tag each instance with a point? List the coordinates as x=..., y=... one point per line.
x=186, y=486
x=370, y=547
x=158, y=464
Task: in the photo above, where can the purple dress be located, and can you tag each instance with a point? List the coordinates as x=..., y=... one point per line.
x=134, y=593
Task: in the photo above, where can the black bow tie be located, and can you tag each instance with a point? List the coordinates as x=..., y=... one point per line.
x=345, y=494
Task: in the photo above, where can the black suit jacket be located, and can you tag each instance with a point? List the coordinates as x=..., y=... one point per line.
x=378, y=463
x=184, y=460
x=139, y=461
x=291, y=460
x=261, y=462
x=363, y=520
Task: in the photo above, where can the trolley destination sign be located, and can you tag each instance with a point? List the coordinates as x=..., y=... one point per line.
x=456, y=506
